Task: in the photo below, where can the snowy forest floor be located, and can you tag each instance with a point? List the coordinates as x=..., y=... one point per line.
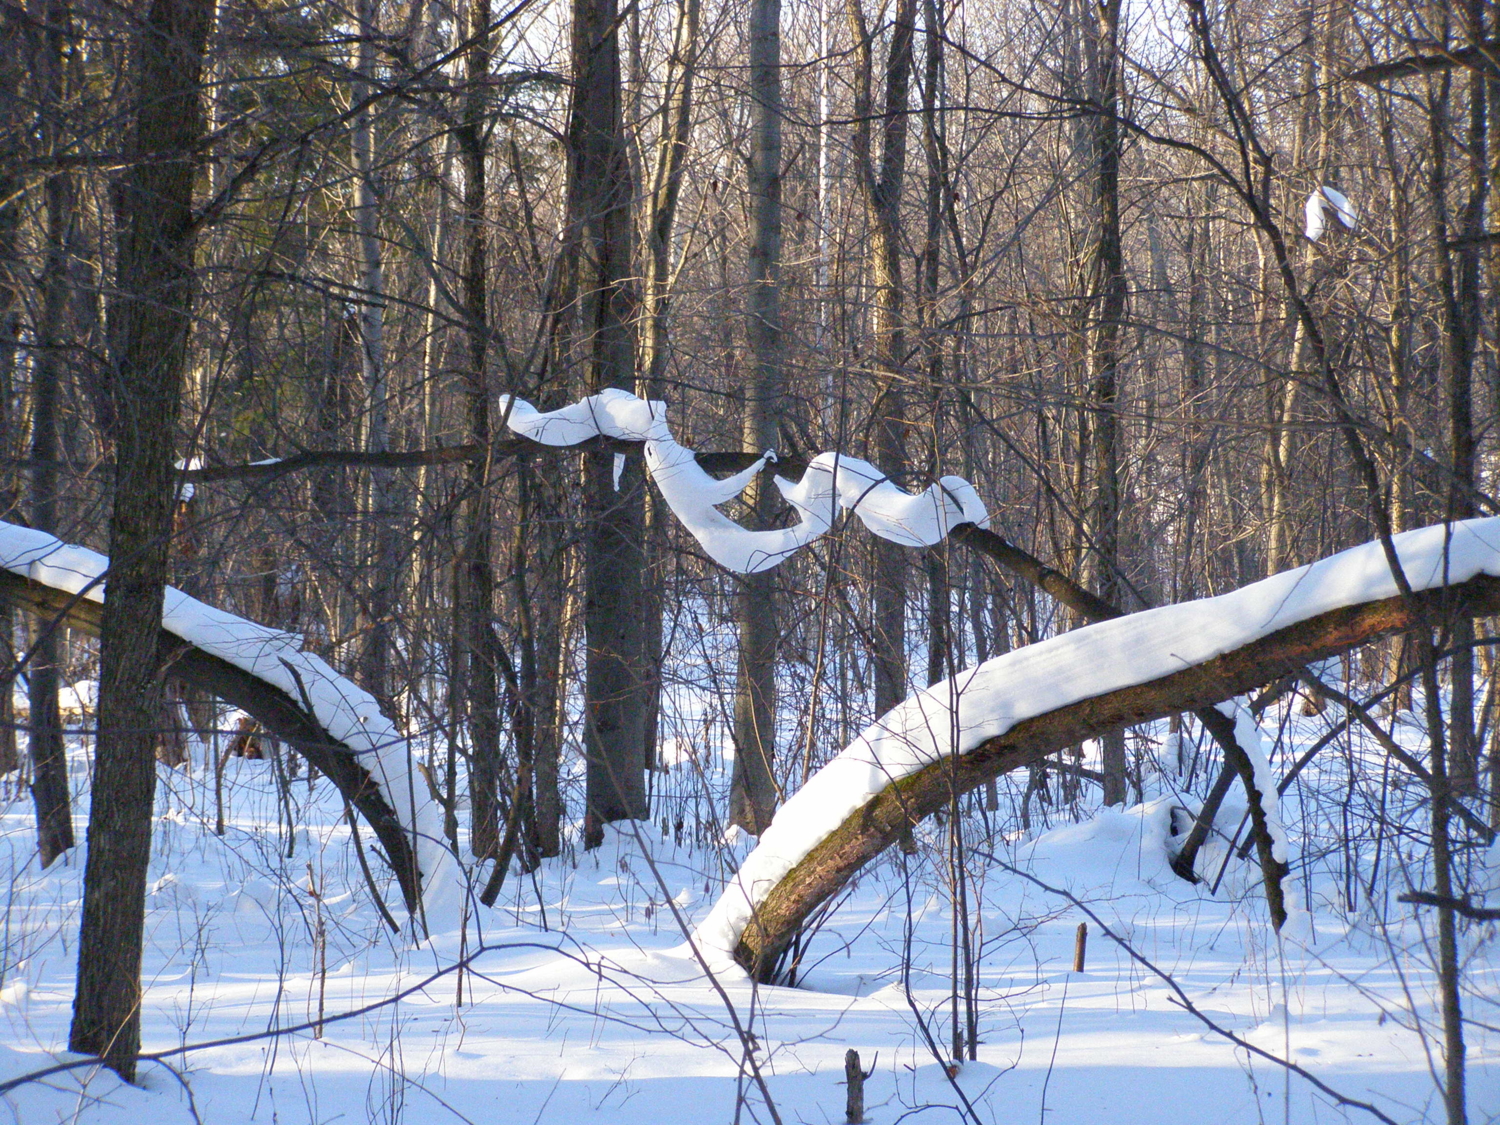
x=588, y=1003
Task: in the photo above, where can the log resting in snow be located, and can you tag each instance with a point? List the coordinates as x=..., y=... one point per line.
x=278, y=712
x=1264, y=631
x=1221, y=727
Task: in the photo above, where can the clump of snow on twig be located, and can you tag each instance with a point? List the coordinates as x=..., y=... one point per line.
x=1322, y=201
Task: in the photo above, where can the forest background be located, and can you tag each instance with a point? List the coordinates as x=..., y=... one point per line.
x=1062, y=250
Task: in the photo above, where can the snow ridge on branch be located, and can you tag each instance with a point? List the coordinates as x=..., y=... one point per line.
x=985, y=702
x=832, y=481
x=349, y=714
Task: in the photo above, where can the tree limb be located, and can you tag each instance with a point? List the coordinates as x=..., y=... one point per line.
x=870, y=829
x=276, y=711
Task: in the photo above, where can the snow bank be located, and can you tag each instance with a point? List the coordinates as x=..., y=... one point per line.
x=986, y=701
x=832, y=481
x=348, y=713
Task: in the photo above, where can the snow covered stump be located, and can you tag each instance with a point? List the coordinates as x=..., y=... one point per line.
x=1017, y=708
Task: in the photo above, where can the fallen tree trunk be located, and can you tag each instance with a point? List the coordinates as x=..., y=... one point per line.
x=1290, y=620
x=278, y=712
x=1220, y=726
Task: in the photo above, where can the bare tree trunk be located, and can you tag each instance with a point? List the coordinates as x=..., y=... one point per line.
x=1449, y=996
x=15, y=58
x=49, y=760
x=939, y=609
x=149, y=328
x=616, y=691
x=881, y=190
x=544, y=580
x=476, y=569
x=379, y=508
x=1108, y=292
x=1461, y=319
x=666, y=188
x=753, y=791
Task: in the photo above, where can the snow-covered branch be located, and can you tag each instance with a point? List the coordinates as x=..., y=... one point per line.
x=1019, y=707
x=295, y=694
x=831, y=481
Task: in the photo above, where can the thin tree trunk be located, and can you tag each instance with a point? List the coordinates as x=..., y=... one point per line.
x=616, y=690
x=379, y=508
x=49, y=762
x=15, y=58
x=881, y=190
x=1462, y=321
x=753, y=791
x=666, y=189
x=150, y=323
x=1108, y=286
x=476, y=569
x=1449, y=996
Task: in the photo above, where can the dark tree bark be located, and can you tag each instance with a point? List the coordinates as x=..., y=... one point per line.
x=1462, y=324
x=150, y=320
x=753, y=792
x=380, y=515
x=49, y=761
x=15, y=58
x=476, y=579
x=1107, y=300
x=617, y=680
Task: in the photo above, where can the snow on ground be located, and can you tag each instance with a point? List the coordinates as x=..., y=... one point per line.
x=588, y=1004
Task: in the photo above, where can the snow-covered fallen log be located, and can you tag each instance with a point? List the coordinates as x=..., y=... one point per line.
x=831, y=481
x=294, y=694
x=1019, y=707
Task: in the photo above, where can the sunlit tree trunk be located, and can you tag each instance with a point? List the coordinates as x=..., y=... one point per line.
x=880, y=187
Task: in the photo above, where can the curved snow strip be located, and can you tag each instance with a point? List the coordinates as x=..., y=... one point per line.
x=1319, y=203
x=981, y=703
x=832, y=481
x=1248, y=734
x=347, y=712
